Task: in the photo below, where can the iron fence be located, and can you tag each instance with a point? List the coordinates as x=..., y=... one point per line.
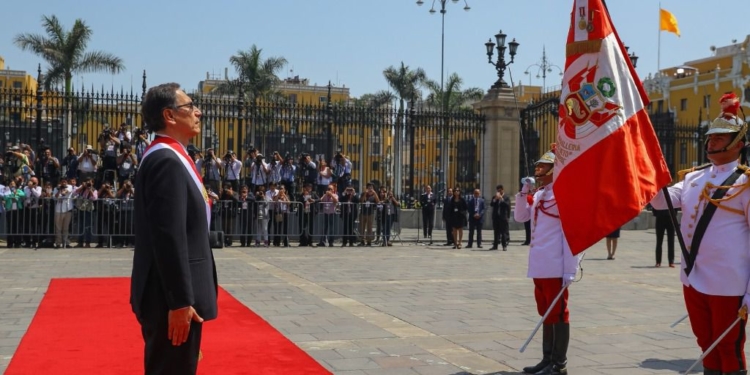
x=682, y=142
x=402, y=149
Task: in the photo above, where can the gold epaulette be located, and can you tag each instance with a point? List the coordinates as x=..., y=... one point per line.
x=681, y=174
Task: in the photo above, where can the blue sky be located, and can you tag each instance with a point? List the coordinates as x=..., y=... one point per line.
x=350, y=42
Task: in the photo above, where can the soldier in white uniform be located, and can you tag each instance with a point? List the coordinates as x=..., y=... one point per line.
x=551, y=265
x=716, y=275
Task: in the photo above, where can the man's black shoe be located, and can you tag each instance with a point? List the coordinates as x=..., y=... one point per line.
x=524, y=244
x=468, y=247
x=493, y=248
x=539, y=367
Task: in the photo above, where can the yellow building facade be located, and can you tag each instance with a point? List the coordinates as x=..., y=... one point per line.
x=689, y=94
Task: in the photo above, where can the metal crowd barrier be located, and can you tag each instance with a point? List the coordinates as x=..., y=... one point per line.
x=109, y=222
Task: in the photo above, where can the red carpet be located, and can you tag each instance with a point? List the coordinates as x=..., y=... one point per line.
x=85, y=326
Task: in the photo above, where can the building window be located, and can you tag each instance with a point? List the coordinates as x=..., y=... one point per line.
x=17, y=85
x=375, y=166
x=292, y=98
x=683, y=104
x=375, y=150
x=660, y=107
x=323, y=99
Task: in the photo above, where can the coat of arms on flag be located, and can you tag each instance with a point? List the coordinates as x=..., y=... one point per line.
x=588, y=104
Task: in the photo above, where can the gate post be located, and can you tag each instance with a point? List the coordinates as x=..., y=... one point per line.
x=500, y=155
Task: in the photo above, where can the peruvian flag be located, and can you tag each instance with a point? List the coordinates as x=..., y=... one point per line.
x=608, y=163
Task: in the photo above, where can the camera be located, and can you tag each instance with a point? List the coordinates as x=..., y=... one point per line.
x=106, y=133
x=228, y=156
x=138, y=132
x=259, y=159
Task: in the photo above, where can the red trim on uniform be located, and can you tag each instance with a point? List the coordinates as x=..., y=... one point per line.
x=545, y=291
x=710, y=316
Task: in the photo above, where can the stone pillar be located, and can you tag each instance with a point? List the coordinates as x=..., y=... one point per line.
x=501, y=141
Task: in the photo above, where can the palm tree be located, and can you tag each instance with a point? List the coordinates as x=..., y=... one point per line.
x=65, y=52
x=451, y=97
x=258, y=77
x=405, y=82
x=375, y=100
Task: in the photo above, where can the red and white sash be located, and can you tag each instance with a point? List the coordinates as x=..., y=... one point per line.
x=164, y=142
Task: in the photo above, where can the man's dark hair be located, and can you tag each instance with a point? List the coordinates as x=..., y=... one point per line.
x=499, y=187
x=157, y=98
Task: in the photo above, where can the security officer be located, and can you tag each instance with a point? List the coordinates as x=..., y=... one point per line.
x=715, y=284
x=551, y=265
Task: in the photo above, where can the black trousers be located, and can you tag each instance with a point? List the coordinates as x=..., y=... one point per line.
x=306, y=228
x=161, y=357
x=428, y=216
x=448, y=232
x=664, y=224
x=501, y=230
x=475, y=225
x=527, y=227
x=348, y=235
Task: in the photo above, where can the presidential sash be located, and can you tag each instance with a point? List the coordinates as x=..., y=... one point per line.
x=163, y=142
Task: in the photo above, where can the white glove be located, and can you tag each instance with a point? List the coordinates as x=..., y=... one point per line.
x=568, y=278
x=526, y=186
x=746, y=301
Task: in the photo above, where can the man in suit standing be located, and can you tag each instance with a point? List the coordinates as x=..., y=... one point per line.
x=428, y=201
x=446, y=217
x=173, y=287
x=476, y=218
x=500, y=215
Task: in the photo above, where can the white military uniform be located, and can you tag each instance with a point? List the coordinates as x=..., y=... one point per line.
x=722, y=267
x=549, y=253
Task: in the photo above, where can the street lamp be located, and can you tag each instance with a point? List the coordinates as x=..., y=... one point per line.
x=632, y=56
x=501, y=65
x=543, y=68
x=442, y=31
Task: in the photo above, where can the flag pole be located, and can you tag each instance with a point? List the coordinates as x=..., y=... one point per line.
x=546, y=314
x=658, y=45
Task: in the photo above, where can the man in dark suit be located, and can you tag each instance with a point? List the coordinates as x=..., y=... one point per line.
x=476, y=218
x=173, y=287
x=428, y=201
x=500, y=215
x=446, y=217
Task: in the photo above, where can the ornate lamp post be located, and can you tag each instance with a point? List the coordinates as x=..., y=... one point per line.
x=632, y=56
x=442, y=31
x=501, y=65
x=543, y=68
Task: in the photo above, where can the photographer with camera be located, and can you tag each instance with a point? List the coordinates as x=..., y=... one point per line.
x=232, y=170
x=108, y=144
x=107, y=212
x=48, y=166
x=87, y=163
x=70, y=162
x=281, y=210
x=309, y=200
x=342, y=171
x=125, y=197
x=15, y=161
x=308, y=169
x=274, y=168
x=85, y=196
x=126, y=164
x=32, y=219
x=348, y=202
x=246, y=216
x=123, y=134
x=210, y=165
x=63, y=213
x=328, y=203
x=287, y=171
x=259, y=171
x=141, y=142
x=262, y=206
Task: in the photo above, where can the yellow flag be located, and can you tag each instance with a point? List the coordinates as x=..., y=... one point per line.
x=668, y=22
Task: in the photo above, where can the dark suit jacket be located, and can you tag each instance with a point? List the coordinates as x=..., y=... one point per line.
x=475, y=206
x=500, y=208
x=446, y=212
x=428, y=204
x=173, y=266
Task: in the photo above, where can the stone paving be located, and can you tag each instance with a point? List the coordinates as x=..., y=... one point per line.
x=413, y=308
